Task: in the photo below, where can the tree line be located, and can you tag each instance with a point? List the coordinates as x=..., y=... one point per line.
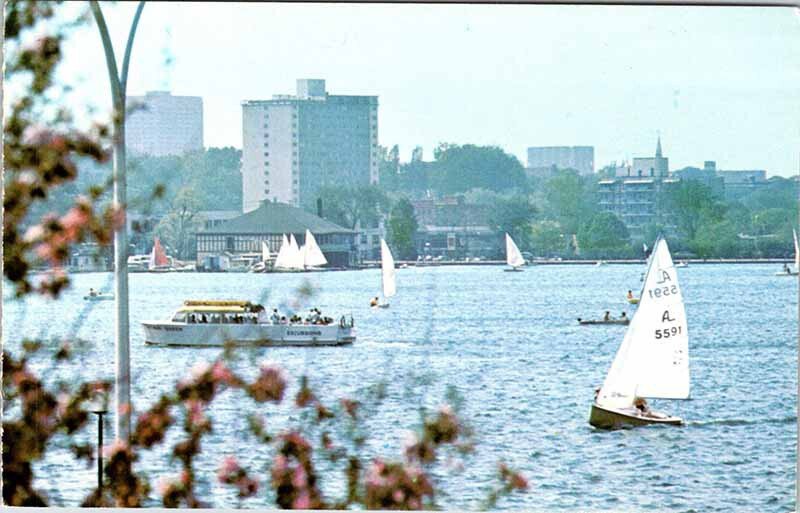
x=555, y=215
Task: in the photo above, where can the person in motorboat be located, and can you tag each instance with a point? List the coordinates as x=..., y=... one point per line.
x=275, y=318
x=607, y=316
x=630, y=295
x=374, y=301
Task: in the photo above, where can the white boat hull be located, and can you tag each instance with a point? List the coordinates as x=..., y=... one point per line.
x=201, y=334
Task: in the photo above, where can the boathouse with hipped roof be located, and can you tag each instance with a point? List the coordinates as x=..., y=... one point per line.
x=268, y=223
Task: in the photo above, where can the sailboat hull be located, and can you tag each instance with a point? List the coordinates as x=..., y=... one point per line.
x=513, y=270
x=607, y=418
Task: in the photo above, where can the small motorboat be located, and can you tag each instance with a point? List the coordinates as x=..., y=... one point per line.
x=587, y=322
x=682, y=264
x=98, y=296
x=633, y=300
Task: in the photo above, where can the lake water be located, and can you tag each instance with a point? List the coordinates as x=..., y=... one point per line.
x=510, y=344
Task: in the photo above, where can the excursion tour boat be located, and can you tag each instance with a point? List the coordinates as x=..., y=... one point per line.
x=214, y=323
x=653, y=358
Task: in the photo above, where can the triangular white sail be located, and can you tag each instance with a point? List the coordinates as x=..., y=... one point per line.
x=653, y=359
x=284, y=258
x=296, y=260
x=796, y=252
x=264, y=252
x=387, y=271
x=312, y=254
x=513, y=256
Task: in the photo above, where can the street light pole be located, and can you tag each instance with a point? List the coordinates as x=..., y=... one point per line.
x=118, y=91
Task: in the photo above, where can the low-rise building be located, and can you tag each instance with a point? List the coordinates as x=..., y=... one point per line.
x=740, y=182
x=269, y=223
x=450, y=228
x=90, y=257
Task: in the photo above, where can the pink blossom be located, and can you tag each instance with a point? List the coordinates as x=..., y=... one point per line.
x=398, y=496
x=117, y=446
x=163, y=485
x=303, y=500
x=199, y=370
x=221, y=372
x=299, y=478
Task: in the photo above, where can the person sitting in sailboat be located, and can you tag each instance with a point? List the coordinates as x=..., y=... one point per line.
x=785, y=269
x=641, y=404
x=275, y=318
x=93, y=293
x=374, y=301
x=607, y=316
x=623, y=316
x=630, y=295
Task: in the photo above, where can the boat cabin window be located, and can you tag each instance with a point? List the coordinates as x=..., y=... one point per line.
x=179, y=317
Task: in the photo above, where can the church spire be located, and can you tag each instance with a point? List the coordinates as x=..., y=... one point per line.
x=658, y=147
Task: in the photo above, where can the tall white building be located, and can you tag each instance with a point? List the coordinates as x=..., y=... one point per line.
x=294, y=144
x=580, y=158
x=159, y=124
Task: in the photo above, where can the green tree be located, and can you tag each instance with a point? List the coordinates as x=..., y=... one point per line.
x=692, y=203
x=402, y=227
x=547, y=239
x=461, y=168
x=715, y=239
x=604, y=236
x=178, y=228
x=570, y=199
x=349, y=206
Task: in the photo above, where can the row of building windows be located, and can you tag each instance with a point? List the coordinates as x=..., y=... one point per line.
x=243, y=243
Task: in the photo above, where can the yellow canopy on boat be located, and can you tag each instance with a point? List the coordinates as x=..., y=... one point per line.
x=192, y=302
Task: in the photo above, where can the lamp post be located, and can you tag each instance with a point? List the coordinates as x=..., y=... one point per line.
x=118, y=90
x=100, y=408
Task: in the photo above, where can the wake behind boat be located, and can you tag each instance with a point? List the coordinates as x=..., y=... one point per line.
x=215, y=323
x=653, y=358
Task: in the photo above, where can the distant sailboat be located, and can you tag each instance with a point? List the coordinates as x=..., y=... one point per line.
x=388, y=282
x=513, y=256
x=787, y=271
x=260, y=267
x=159, y=262
x=312, y=255
x=653, y=359
x=284, y=258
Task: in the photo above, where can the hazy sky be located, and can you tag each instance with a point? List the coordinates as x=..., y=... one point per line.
x=718, y=83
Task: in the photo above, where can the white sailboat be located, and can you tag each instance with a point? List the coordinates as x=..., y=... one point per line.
x=283, y=261
x=312, y=255
x=653, y=359
x=787, y=271
x=513, y=256
x=260, y=267
x=388, y=282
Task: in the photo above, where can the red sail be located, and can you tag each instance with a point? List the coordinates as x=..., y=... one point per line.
x=159, y=257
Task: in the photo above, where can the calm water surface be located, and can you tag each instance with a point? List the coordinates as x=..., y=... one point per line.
x=509, y=343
